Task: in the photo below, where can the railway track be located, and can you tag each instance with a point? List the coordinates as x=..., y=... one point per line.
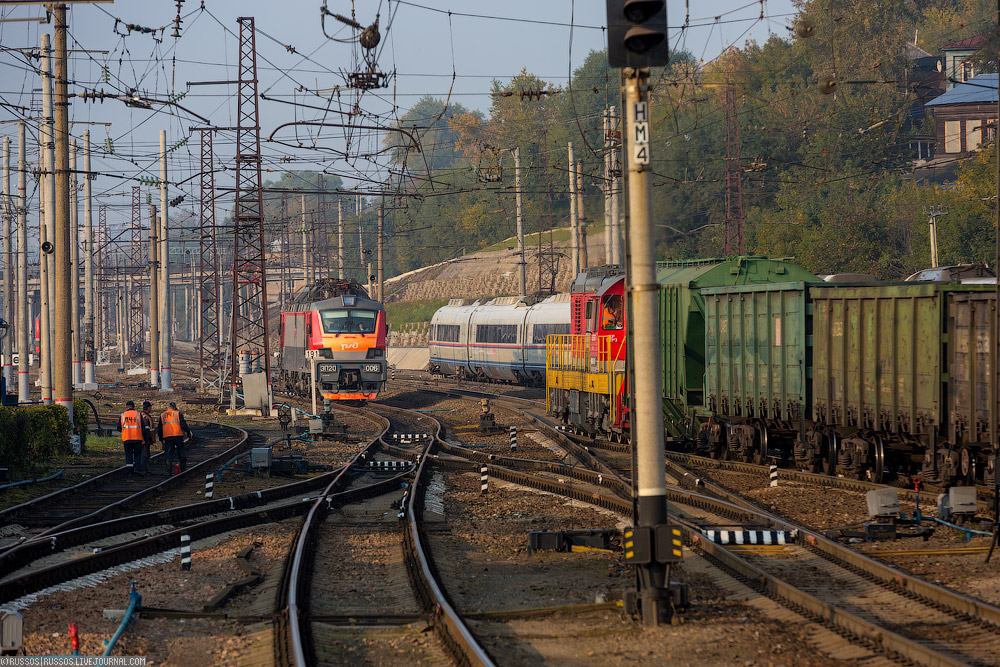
x=896, y=614
x=112, y=493
x=317, y=614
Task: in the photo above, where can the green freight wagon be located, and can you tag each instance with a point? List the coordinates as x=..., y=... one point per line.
x=758, y=355
x=972, y=388
x=857, y=379
x=881, y=363
x=683, y=327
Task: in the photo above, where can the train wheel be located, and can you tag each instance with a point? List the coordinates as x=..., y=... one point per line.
x=829, y=464
x=760, y=453
x=967, y=463
x=876, y=467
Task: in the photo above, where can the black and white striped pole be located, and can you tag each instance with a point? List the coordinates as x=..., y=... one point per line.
x=484, y=479
x=773, y=474
x=185, y=551
x=209, y=486
x=513, y=438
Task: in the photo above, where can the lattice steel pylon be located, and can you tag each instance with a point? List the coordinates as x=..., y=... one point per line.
x=136, y=330
x=734, y=175
x=249, y=337
x=210, y=340
x=321, y=234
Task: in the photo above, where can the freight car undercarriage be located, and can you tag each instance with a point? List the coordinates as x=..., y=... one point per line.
x=863, y=454
x=857, y=453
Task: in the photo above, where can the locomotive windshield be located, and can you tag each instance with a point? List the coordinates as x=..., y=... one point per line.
x=348, y=321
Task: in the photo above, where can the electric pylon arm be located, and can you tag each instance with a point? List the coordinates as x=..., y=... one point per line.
x=416, y=144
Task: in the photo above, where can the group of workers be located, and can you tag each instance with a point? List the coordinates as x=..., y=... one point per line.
x=139, y=433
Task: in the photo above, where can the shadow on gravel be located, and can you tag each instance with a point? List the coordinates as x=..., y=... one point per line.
x=413, y=400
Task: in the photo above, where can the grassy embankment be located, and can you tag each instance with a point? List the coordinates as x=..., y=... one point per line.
x=399, y=314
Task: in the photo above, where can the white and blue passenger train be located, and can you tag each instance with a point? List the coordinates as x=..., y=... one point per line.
x=496, y=339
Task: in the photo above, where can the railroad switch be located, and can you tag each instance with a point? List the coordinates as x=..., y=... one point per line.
x=583, y=539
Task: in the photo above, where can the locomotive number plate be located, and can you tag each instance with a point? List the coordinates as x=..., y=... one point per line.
x=372, y=368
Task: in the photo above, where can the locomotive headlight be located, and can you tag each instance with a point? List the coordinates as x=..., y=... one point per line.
x=327, y=368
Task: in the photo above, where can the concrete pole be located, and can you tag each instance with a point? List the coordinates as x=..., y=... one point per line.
x=647, y=427
x=608, y=230
x=379, y=259
x=163, y=256
x=581, y=221
x=46, y=206
x=340, y=238
x=8, y=292
x=521, y=287
x=120, y=314
x=23, y=312
x=154, y=298
x=932, y=222
x=305, y=243
x=371, y=292
x=361, y=243
x=89, y=294
x=74, y=293
x=62, y=348
x=615, y=159
x=574, y=230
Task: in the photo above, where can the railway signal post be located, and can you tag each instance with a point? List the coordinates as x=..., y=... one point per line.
x=637, y=41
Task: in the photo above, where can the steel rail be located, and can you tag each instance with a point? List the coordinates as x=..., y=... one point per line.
x=30, y=550
x=929, y=594
x=447, y=622
x=800, y=601
x=31, y=582
x=10, y=514
x=300, y=558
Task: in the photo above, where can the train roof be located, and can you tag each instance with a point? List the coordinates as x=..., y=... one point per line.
x=596, y=280
x=327, y=289
x=976, y=272
x=733, y=271
x=330, y=293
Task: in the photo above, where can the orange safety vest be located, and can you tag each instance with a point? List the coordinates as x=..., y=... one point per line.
x=171, y=421
x=131, y=429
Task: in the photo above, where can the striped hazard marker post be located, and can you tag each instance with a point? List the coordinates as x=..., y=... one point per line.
x=209, y=486
x=484, y=479
x=185, y=551
x=513, y=438
x=773, y=474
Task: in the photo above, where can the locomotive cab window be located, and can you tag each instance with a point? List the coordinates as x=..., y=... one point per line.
x=611, y=313
x=348, y=321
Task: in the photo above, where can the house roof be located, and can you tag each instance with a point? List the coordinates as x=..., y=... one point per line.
x=980, y=89
x=914, y=52
x=965, y=44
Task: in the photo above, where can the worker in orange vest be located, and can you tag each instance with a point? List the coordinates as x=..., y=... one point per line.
x=134, y=433
x=172, y=428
